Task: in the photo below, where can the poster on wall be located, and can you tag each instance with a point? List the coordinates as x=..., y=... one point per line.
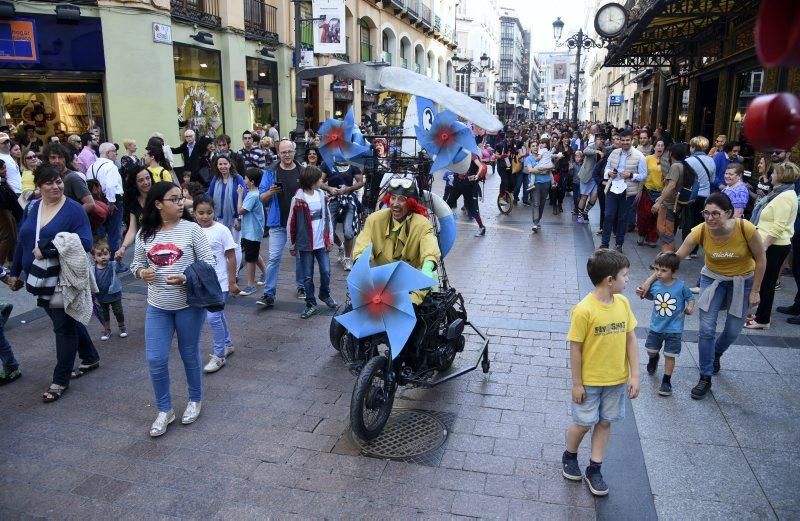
x=481, y=89
x=329, y=27
x=560, y=71
x=18, y=41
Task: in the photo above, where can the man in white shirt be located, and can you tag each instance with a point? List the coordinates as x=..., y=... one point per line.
x=13, y=175
x=626, y=168
x=105, y=171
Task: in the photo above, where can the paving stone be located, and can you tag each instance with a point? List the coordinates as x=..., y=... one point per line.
x=520, y=509
x=102, y=488
x=496, y=429
x=489, y=463
x=512, y=487
x=481, y=506
x=462, y=480
x=470, y=443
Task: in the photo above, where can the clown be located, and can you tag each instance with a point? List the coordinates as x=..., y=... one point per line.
x=401, y=231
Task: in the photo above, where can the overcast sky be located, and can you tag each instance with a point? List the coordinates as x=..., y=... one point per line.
x=538, y=16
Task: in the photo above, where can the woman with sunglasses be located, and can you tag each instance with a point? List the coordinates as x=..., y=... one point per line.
x=168, y=242
x=30, y=162
x=730, y=280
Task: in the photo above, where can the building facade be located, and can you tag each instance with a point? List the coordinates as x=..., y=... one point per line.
x=512, y=84
x=556, y=70
x=478, y=34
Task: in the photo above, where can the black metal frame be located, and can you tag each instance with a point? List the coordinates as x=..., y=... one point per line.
x=579, y=41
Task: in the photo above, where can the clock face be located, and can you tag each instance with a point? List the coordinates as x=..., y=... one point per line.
x=611, y=20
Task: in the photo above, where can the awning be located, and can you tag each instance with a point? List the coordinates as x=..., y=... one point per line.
x=664, y=32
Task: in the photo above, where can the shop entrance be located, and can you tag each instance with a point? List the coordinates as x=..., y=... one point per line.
x=705, y=107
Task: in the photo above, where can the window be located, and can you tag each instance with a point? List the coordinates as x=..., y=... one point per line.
x=365, y=47
x=262, y=91
x=198, y=88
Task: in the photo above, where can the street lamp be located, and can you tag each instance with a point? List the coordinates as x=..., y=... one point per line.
x=300, y=129
x=577, y=41
x=484, y=59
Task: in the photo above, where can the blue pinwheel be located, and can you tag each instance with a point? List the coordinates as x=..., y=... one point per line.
x=381, y=300
x=446, y=138
x=338, y=138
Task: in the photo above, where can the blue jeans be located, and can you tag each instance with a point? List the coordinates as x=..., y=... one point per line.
x=71, y=338
x=220, y=334
x=522, y=180
x=160, y=325
x=307, y=261
x=618, y=207
x=707, y=346
x=6, y=353
x=112, y=228
x=277, y=243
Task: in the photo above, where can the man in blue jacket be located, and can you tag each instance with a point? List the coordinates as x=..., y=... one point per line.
x=279, y=184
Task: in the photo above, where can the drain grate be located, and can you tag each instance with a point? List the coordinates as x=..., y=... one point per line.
x=413, y=436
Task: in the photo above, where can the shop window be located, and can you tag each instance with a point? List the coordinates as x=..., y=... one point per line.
x=262, y=85
x=54, y=113
x=748, y=85
x=198, y=89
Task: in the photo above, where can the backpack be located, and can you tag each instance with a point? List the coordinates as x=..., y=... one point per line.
x=688, y=186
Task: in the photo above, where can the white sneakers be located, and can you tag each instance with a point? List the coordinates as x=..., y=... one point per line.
x=347, y=263
x=163, y=419
x=214, y=364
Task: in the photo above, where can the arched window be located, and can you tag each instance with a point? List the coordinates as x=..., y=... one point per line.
x=365, y=49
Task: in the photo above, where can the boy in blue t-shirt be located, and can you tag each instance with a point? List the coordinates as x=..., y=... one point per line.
x=672, y=299
x=251, y=209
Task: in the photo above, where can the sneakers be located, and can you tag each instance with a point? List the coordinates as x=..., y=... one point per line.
x=267, y=301
x=752, y=324
x=652, y=364
x=163, y=420
x=6, y=377
x=481, y=232
x=794, y=309
x=691, y=256
x=191, y=413
x=701, y=389
x=214, y=364
x=330, y=302
x=123, y=333
x=695, y=290
x=229, y=350
x=594, y=478
x=570, y=468
x=247, y=291
x=581, y=220
x=105, y=336
x=717, y=367
x=665, y=389
x=347, y=264
x=793, y=320
x=310, y=311
x=301, y=293
x=618, y=247
x=340, y=256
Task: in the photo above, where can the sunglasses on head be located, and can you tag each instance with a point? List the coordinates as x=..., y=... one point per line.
x=401, y=182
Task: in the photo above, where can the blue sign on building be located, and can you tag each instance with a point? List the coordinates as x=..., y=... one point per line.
x=616, y=100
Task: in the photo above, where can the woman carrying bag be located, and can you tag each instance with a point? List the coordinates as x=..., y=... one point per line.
x=50, y=226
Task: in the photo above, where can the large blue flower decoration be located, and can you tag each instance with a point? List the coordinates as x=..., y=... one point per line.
x=445, y=139
x=339, y=137
x=381, y=300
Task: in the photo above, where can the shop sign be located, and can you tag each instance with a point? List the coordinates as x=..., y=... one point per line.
x=343, y=95
x=616, y=99
x=329, y=27
x=307, y=58
x=18, y=41
x=162, y=33
x=341, y=86
x=238, y=90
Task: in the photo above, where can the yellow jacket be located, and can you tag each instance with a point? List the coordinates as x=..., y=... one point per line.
x=412, y=241
x=777, y=218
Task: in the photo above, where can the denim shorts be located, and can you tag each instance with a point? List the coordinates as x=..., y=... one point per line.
x=671, y=342
x=605, y=403
x=589, y=187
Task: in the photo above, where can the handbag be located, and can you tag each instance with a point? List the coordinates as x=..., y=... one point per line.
x=40, y=285
x=516, y=165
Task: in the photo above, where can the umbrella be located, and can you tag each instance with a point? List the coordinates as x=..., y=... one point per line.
x=445, y=139
x=381, y=300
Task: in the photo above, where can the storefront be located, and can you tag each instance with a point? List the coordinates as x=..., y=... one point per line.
x=262, y=92
x=342, y=97
x=56, y=82
x=198, y=89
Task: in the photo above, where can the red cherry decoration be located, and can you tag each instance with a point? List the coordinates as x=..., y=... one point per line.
x=778, y=33
x=772, y=121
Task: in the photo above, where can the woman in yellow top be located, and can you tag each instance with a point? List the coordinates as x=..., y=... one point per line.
x=775, y=215
x=657, y=168
x=153, y=159
x=730, y=279
x=30, y=162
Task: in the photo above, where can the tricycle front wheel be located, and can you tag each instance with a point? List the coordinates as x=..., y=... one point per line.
x=371, y=403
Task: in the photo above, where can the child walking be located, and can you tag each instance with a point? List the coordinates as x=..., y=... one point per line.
x=251, y=209
x=605, y=362
x=10, y=368
x=223, y=248
x=672, y=299
x=311, y=235
x=110, y=289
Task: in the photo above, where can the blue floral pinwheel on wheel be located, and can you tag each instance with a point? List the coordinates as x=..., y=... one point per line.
x=340, y=138
x=446, y=138
x=381, y=300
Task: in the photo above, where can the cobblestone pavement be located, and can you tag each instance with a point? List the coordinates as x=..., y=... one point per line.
x=273, y=438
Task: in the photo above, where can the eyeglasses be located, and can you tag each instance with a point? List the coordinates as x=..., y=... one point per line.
x=175, y=200
x=401, y=182
x=286, y=152
x=716, y=214
x=32, y=156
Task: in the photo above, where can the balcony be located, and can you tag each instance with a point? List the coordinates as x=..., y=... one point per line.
x=427, y=26
x=260, y=21
x=365, y=52
x=386, y=56
x=204, y=13
x=404, y=63
x=437, y=23
x=346, y=56
x=418, y=68
x=412, y=10
x=398, y=5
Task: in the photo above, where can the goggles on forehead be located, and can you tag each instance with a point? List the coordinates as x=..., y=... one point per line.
x=401, y=182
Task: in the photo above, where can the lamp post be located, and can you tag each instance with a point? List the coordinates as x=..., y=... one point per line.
x=577, y=41
x=484, y=59
x=300, y=128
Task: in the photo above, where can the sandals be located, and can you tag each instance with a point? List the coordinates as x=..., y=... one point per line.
x=53, y=393
x=83, y=369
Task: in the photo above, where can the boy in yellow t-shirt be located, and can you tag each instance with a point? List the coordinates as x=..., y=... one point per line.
x=604, y=360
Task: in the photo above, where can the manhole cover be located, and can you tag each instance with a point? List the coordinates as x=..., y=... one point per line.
x=409, y=435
